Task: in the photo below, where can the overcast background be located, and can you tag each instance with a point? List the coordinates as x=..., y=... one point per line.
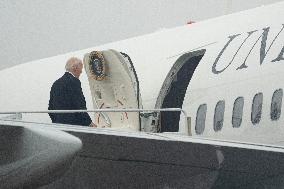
x=34, y=29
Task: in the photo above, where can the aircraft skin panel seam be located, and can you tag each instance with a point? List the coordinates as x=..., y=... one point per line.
x=158, y=163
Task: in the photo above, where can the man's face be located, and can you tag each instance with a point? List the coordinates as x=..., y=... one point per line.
x=78, y=70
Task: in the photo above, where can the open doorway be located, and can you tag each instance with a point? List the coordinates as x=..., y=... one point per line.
x=174, y=88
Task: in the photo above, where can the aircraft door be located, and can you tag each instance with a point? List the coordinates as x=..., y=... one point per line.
x=174, y=89
x=114, y=84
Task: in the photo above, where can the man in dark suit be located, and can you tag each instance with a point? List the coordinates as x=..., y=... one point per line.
x=66, y=94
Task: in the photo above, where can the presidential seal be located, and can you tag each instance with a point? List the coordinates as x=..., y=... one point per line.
x=97, y=65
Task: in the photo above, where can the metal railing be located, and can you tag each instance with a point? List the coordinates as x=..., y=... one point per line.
x=187, y=129
x=14, y=116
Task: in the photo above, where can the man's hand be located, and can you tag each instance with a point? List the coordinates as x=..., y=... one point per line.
x=93, y=125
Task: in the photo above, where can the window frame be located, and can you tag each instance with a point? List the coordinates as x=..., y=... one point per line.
x=202, y=123
x=279, y=105
x=221, y=104
x=254, y=116
x=240, y=114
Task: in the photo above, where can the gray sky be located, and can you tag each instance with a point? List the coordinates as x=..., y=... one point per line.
x=34, y=29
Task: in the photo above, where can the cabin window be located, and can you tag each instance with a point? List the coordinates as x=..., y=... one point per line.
x=238, y=112
x=219, y=115
x=276, y=104
x=200, y=119
x=256, y=108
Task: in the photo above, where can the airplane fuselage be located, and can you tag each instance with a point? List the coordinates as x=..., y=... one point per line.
x=225, y=73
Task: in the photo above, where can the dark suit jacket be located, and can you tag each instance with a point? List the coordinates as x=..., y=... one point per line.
x=66, y=94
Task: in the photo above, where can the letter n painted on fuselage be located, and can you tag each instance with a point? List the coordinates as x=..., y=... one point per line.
x=263, y=52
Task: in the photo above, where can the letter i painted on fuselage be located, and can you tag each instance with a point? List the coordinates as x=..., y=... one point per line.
x=280, y=56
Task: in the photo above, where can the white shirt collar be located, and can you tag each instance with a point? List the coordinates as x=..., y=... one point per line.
x=71, y=73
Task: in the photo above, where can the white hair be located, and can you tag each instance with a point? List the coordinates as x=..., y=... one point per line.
x=72, y=63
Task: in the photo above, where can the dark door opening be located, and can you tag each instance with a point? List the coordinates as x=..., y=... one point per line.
x=176, y=92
